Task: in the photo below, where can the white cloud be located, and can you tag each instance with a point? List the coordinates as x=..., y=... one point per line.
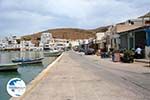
x=29, y=16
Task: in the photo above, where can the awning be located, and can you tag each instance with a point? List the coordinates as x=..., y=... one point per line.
x=148, y=30
x=147, y=36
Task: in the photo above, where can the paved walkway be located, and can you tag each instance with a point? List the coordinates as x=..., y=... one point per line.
x=142, y=60
x=137, y=67
x=71, y=79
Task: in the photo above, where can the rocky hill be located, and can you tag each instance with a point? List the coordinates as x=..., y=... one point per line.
x=67, y=33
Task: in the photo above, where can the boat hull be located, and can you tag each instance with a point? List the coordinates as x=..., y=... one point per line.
x=52, y=54
x=8, y=67
x=33, y=62
x=28, y=61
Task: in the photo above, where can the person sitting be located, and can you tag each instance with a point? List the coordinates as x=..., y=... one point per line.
x=138, y=53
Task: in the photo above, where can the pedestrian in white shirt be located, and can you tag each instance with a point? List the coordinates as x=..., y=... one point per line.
x=138, y=53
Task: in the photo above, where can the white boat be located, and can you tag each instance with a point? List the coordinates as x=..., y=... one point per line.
x=52, y=53
x=9, y=67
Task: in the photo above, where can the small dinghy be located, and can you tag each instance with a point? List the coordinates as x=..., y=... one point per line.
x=28, y=60
x=9, y=67
x=52, y=53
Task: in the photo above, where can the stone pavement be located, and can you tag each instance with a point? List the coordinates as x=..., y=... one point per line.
x=142, y=60
x=133, y=67
x=70, y=79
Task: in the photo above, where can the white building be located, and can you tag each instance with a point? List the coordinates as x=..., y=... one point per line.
x=99, y=39
x=15, y=43
x=46, y=38
x=47, y=41
x=27, y=45
x=100, y=35
x=61, y=43
x=10, y=42
x=3, y=44
x=74, y=43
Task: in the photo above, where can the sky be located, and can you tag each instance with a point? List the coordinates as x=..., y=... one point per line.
x=21, y=17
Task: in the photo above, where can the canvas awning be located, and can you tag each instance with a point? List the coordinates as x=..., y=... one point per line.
x=148, y=37
x=148, y=30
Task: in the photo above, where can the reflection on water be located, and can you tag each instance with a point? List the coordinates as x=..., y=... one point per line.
x=6, y=57
x=25, y=72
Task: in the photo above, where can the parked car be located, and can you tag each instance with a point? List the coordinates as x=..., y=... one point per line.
x=89, y=51
x=76, y=48
x=81, y=50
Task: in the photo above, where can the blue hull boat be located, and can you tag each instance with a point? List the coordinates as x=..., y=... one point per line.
x=27, y=60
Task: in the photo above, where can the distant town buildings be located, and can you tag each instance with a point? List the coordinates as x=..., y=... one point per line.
x=27, y=45
x=3, y=44
x=46, y=42
x=125, y=35
x=11, y=42
x=128, y=35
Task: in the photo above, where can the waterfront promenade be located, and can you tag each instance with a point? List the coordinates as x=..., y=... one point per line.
x=79, y=77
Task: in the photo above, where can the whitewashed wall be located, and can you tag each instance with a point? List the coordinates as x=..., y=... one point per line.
x=99, y=36
x=74, y=43
x=147, y=50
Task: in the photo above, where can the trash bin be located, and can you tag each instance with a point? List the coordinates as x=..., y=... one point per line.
x=116, y=57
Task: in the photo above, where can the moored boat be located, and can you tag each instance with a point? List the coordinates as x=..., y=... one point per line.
x=52, y=53
x=28, y=60
x=9, y=67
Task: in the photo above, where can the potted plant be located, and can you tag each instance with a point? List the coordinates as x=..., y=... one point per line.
x=128, y=56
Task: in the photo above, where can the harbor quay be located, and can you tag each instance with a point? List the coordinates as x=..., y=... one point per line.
x=74, y=50
x=74, y=76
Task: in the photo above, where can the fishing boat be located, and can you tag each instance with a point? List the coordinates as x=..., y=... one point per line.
x=9, y=67
x=52, y=53
x=28, y=60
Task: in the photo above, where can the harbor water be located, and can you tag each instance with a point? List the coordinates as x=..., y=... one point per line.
x=25, y=72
